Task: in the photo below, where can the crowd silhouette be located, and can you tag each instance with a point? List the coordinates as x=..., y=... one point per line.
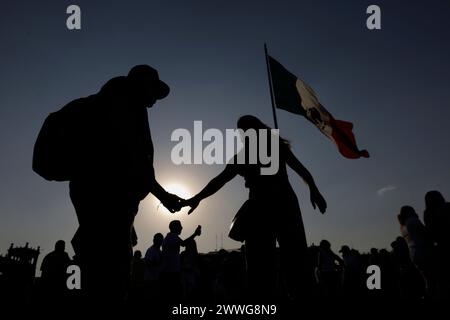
x=274, y=262
x=414, y=268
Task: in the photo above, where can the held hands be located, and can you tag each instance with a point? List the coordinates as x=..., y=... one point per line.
x=317, y=200
x=172, y=202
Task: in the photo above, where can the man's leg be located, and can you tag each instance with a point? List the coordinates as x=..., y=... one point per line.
x=103, y=243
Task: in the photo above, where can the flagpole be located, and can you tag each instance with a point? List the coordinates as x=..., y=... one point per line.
x=269, y=75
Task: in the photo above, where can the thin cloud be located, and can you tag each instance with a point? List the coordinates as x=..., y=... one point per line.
x=383, y=190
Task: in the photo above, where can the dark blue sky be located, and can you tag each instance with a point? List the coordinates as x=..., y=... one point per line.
x=393, y=84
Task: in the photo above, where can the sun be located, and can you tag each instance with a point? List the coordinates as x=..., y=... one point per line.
x=176, y=188
x=179, y=189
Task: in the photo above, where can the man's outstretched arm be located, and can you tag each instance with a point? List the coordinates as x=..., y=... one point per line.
x=171, y=201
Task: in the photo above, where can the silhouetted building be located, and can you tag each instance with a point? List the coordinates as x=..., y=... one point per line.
x=17, y=272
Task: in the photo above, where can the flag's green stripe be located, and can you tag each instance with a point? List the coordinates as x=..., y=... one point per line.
x=284, y=89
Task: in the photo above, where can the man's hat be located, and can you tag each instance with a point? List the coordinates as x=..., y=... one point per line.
x=344, y=249
x=144, y=75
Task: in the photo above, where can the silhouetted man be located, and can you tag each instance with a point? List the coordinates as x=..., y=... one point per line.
x=54, y=268
x=153, y=258
x=171, y=261
x=114, y=172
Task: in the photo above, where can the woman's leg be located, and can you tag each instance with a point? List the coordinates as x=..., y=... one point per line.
x=260, y=254
x=294, y=259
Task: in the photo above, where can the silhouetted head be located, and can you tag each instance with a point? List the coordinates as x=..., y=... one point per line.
x=175, y=226
x=158, y=239
x=137, y=255
x=434, y=199
x=325, y=244
x=145, y=85
x=374, y=251
x=345, y=250
x=406, y=212
x=60, y=246
x=251, y=122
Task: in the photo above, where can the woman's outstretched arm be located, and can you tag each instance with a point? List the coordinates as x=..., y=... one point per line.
x=315, y=196
x=212, y=187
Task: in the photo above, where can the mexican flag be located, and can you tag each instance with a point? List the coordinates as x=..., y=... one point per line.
x=294, y=95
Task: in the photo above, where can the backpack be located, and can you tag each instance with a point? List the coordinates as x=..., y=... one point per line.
x=57, y=145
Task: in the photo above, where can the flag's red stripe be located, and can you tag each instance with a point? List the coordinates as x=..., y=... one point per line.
x=345, y=140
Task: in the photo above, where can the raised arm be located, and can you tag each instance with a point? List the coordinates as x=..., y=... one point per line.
x=197, y=232
x=299, y=168
x=212, y=187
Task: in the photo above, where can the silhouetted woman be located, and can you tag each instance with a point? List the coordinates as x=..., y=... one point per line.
x=419, y=243
x=273, y=215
